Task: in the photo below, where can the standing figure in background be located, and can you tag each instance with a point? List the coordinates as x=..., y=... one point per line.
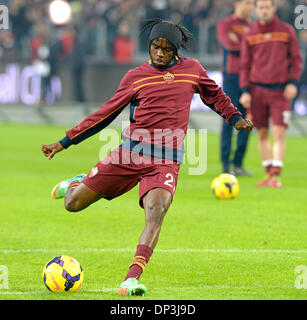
x=20, y=25
x=230, y=31
x=78, y=57
x=271, y=66
x=123, y=44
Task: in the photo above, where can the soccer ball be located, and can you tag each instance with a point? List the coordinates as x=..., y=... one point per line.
x=225, y=186
x=63, y=274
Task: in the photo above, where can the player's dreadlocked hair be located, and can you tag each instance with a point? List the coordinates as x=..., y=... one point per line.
x=178, y=35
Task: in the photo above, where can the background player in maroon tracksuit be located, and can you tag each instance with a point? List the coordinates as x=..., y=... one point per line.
x=230, y=31
x=271, y=66
x=160, y=93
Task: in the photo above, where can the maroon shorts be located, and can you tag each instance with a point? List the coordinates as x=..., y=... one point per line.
x=122, y=169
x=269, y=104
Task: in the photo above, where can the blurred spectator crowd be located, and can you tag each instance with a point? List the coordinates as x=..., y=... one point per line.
x=110, y=28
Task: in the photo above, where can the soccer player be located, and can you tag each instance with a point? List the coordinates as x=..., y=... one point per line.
x=271, y=66
x=230, y=31
x=160, y=93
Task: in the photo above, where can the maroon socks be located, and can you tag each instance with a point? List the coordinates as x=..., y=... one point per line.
x=141, y=258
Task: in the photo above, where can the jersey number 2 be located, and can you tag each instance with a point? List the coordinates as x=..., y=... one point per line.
x=170, y=182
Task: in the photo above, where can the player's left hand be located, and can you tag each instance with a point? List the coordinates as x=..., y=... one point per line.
x=245, y=124
x=290, y=91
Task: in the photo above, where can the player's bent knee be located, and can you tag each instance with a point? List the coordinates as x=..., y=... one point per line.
x=73, y=205
x=80, y=198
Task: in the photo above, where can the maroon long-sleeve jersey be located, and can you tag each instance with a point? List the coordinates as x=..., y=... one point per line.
x=160, y=102
x=270, y=55
x=231, y=49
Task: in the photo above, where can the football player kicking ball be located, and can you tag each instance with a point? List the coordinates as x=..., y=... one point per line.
x=160, y=93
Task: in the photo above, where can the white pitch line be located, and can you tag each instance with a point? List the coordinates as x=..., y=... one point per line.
x=178, y=250
x=36, y=292
x=204, y=287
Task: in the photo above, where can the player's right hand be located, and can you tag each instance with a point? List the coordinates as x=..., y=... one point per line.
x=49, y=150
x=245, y=124
x=246, y=100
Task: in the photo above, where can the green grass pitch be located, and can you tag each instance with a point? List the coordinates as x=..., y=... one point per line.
x=246, y=248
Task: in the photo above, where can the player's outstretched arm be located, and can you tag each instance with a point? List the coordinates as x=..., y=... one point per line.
x=245, y=124
x=49, y=150
x=101, y=118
